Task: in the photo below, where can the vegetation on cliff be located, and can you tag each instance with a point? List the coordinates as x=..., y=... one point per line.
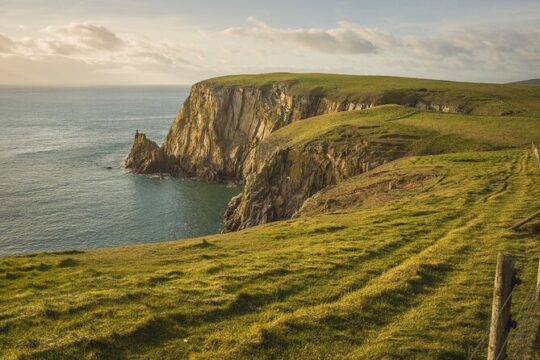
x=466, y=97
x=298, y=160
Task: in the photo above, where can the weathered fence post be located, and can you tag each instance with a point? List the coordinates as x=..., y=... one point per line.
x=538, y=283
x=500, y=310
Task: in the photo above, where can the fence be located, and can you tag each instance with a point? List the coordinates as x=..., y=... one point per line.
x=536, y=154
x=501, y=316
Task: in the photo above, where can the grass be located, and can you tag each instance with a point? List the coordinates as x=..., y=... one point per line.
x=492, y=131
x=407, y=274
x=476, y=98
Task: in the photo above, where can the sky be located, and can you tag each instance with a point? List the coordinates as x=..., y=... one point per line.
x=131, y=42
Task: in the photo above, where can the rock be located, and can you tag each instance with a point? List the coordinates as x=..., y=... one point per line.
x=145, y=157
x=109, y=168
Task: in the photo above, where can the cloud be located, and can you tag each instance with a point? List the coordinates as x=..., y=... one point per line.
x=461, y=47
x=478, y=46
x=91, y=44
x=86, y=35
x=345, y=39
x=6, y=45
x=482, y=52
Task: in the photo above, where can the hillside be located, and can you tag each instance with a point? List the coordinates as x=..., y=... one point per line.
x=528, y=82
x=298, y=160
x=400, y=273
x=226, y=127
x=370, y=231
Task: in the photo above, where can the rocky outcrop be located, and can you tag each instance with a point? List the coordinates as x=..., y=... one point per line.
x=286, y=177
x=219, y=126
x=146, y=156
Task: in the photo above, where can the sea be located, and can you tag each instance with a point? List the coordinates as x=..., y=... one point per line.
x=56, y=191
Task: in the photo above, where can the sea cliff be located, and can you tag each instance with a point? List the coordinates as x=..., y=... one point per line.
x=221, y=131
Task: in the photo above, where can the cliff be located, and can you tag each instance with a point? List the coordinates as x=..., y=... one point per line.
x=296, y=162
x=223, y=133
x=223, y=120
x=215, y=135
x=291, y=175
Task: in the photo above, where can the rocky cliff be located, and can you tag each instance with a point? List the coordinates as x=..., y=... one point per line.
x=220, y=124
x=219, y=127
x=285, y=177
x=220, y=133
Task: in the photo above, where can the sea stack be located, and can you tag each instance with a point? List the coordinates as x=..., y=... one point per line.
x=145, y=157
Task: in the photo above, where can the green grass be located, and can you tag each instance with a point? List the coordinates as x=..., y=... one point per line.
x=395, y=131
x=396, y=263
x=495, y=131
x=406, y=274
x=477, y=98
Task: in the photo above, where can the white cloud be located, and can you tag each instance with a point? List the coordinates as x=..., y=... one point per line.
x=345, y=39
x=481, y=46
x=85, y=35
x=93, y=44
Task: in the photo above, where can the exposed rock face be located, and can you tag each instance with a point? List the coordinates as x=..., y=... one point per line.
x=219, y=126
x=145, y=156
x=216, y=137
x=280, y=184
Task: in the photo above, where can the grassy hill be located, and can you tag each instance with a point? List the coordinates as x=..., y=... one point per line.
x=528, y=82
x=395, y=263
x=476, y=98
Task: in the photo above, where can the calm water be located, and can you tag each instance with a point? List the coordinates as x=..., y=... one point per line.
x=55, y=190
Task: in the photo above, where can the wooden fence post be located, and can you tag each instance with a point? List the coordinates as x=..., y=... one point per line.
x=538, y=283
x=500, y=310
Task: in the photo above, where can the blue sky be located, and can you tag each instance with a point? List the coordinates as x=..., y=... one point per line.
x=60, y=42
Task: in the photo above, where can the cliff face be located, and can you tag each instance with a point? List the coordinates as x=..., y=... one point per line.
x=285, y=177
x=219, y=127
x=215, y=135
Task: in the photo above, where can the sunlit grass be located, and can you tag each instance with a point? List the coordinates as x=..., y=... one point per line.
x=476, y=98
x=406, y=274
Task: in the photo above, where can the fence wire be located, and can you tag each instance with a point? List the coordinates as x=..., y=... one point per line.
x=526, y=310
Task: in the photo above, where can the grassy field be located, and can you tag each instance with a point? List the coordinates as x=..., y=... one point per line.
x=446, y=132
x=476, y=98
x=395, y=263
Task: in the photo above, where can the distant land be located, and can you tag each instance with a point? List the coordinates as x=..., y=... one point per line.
x=528, y=82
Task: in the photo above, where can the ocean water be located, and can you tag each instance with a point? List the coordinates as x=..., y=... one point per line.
x=55, y=190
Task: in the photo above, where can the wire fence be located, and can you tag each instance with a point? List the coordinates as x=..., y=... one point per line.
x=521, y=338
